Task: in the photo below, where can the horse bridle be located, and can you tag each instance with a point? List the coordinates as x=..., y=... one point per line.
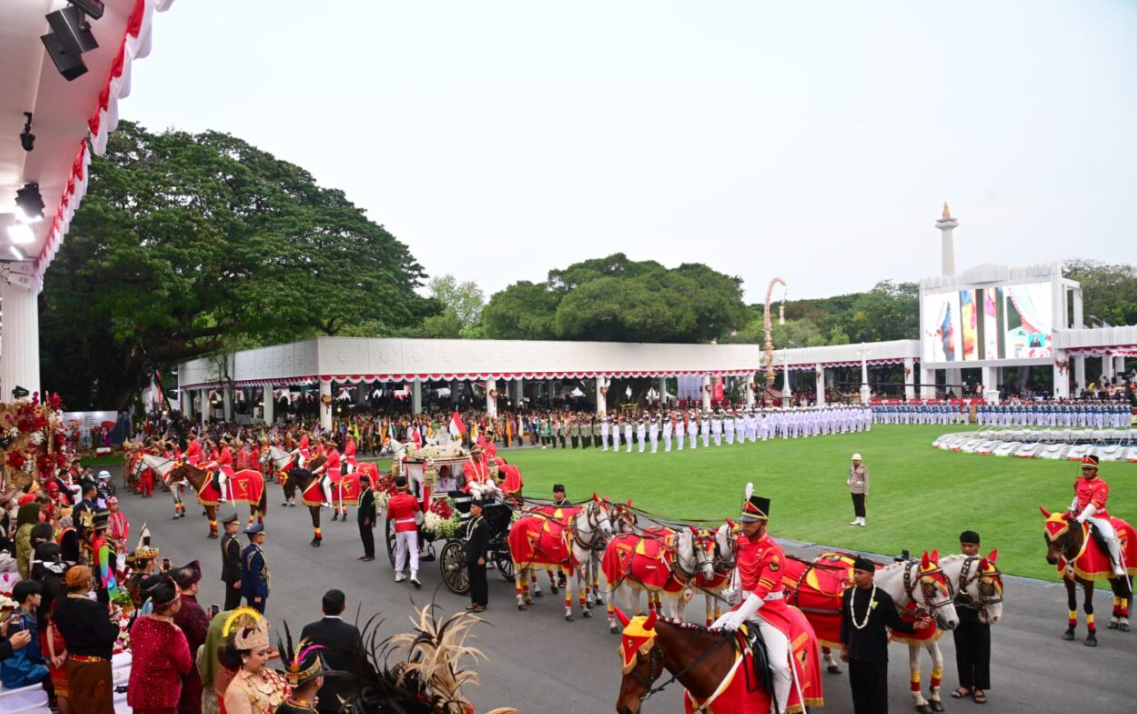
x=928, y=586
x=592, y=515
x=699, y=562
x=656, y=655
x=990, y=585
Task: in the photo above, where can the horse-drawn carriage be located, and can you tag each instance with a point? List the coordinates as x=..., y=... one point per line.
x=433, y=476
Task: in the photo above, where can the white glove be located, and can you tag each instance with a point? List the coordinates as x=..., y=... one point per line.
x=721, y=622
x=734, y=619
x=1087, y=512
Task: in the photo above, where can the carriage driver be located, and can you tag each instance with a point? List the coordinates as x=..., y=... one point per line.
x=1090, y=495
x=223, y=463
x=760, y=561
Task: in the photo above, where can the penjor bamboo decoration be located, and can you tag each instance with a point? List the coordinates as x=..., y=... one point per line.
x=769, y=327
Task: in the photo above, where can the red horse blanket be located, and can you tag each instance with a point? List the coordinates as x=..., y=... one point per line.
x=345, y=491
x=743, y=695
x=245, y=486
x=1093, y=563
x=541, y=540
x=646, y=560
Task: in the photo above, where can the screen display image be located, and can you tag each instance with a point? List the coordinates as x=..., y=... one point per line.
x=942, y=331
x=994, y=323
x=1028, y=321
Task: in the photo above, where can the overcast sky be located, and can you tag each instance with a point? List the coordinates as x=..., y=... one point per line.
x=816, y=141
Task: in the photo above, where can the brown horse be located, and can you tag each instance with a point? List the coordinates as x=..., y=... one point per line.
x=197, y=480
x=1066, y=545
x=296, y=482
x=699, y=659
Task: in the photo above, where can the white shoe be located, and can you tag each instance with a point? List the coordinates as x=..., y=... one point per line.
x=414, y=579
x=855, y=522
x=862, y=523
x=400, y=577
x=325, y=504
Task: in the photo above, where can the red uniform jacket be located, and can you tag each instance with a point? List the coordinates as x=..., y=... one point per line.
x=193, y=453
x=402, y=509
x=760, y=563
x=349, y=452
x=1095, y=492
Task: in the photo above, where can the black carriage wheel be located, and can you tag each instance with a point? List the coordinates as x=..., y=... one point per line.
x=390, y=530
x=504, y=562
x=453, y=566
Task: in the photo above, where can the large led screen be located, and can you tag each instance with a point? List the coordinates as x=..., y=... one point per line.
x=1007, y=322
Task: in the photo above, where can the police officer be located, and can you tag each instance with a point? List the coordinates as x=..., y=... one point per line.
x=254, y=570
x=231, y=563
x=477, y=543
x=866, y=613
x=858, y=483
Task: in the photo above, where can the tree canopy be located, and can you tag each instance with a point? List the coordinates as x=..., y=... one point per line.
x=1109, y=292
x=187, y=244
x=616, y=299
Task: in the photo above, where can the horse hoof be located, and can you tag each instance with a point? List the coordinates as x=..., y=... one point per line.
x=568, y=618
x=587, y=613
x=924, y=708
x=183, y=515
x=1113, y=626
x=1091, y=641
x=937, y=706
x=212, y=536
x=284, y=504
x=833, y=669
x=176, y=517
x=614, y=630
x=1124, y=627
x=1068, y=635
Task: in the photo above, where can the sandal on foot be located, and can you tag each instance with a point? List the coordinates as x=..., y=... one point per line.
x=980, y=697
x=961, y=693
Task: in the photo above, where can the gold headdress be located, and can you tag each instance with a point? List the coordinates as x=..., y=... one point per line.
x=249, y=628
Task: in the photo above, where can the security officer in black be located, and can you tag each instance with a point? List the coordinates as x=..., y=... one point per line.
x=365, y=515
x=477, y=543
x=972, y=636
x=231, y=563
x=866, y=615
x=559, y=499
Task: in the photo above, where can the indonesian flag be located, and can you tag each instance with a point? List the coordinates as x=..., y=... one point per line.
x=416, y=437
x=457, y=428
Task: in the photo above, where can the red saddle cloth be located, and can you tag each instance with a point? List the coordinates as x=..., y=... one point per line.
x=541, y=540
x=643, y=559
x=345, y=491
x=743, y=693
x=1093, y=563
x=246, y=486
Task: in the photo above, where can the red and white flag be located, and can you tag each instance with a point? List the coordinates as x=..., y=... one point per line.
x=457, y=428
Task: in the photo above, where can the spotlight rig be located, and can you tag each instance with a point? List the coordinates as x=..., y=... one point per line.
x=71, y=36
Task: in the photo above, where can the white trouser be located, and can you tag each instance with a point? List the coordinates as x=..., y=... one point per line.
x=667, y=442
x=604, y=440
x=222, y=480
x=693, y=437
x=405, y=542
x=1109, y=534
x=778, y=652
x=326, y=484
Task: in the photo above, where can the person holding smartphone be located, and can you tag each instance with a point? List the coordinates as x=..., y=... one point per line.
x=25, y=667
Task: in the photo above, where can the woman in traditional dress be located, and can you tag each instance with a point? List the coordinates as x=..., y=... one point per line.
x=160, y=654
x=255, y=689
x=90, y=635
x=215, y=677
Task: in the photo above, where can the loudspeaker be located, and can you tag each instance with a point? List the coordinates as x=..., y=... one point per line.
x=71, y=27
x=69, y=65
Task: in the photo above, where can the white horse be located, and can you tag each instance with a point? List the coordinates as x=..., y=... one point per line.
x=693, y=558
x=279, y=458
x=723, y=563
x=589, y=526
x=977, y=582
x=163, y=466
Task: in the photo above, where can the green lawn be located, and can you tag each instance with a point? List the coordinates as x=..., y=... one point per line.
x=921, y=497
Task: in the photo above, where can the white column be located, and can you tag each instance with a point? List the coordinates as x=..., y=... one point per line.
x=927, y=384
x=206, y=406
x=227, y=402
x=1080, y=373
x=662, y=387
x=601, y=399
x=866, y=390
x=1118, y=365
x=706, y=392
x=952, y=381
x=19, y=351
x=518, y=392
x=751, y=397
x=491, y=403
x=1061, y=377
x=1106, y=370
x=186, y=398
x=416, y=396
x=325, y=411
x=909, y=378
x=268, y=403
x=991, y=384
x=819, y=375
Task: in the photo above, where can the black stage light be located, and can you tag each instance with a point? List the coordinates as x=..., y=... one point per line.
x=93, y=8
x=70, y=66
x=27, y=138
x=30, y=203
x=73, y=30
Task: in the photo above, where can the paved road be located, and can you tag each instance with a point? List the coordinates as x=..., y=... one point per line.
x=541, y=664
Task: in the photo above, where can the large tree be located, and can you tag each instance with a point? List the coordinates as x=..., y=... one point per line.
x=620, y=300
x=189, y=244
x=1109, y=292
